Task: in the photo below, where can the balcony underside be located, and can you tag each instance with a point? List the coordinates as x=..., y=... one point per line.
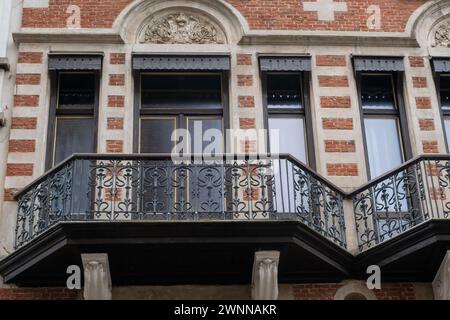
x=164, y=253
x=414, y=256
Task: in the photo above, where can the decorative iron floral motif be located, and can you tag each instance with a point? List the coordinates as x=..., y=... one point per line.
x=181, y=28
x=143, y=188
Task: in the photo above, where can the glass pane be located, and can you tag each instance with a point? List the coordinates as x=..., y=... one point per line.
x=74, y=135
x=377, y=92
x=204, y=139
x=181, y=91
x=284, y=91
x=291, y=137
x=447, y=131
x=156, y=135
x=445, y=91
x=76, y=89
x=383, y=145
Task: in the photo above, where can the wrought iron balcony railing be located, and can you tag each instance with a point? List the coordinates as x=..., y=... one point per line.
x=401, y=199
x=144, y=187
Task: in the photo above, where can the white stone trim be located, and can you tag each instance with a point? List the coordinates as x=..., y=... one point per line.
x=97, y=277
x=265, y=275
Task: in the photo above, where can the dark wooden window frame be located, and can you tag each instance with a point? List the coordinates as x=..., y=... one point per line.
x=304, y=112
x=445, y=114
x=179, y=113
x=55, y=112
x=399, y=112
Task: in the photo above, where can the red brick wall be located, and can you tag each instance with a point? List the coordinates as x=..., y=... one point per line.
x=39, y=294
x=389, y=291
x=271, y=15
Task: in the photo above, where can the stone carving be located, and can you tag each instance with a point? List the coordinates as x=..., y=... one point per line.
x=181, y=28
x=442, y=35
x=265, y=275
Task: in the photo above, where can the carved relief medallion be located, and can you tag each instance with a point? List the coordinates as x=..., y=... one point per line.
x=182, y=28
x=442, y=35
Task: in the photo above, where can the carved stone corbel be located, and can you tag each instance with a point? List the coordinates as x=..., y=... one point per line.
x=265, y=275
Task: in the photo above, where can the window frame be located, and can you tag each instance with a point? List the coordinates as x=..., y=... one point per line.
x=399, y=113
x=445, y=114
x=180, y=114
x=305, y=112
x=68, y=113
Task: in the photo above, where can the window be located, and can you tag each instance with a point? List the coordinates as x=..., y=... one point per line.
x=180, y=100
x=443, y=82
x=73, y=114
x=287, y=109
x=384, y=121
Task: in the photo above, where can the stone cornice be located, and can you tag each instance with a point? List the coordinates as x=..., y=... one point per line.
x=103, y=36
x=277, y=37
x=329, y=39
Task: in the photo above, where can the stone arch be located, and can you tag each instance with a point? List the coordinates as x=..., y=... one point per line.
x=354, y=290
x=430, y=25
x=216, y=20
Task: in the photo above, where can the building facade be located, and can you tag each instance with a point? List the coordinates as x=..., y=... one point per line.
x=355, y=90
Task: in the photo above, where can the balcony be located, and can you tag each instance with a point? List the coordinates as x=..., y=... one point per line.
x=219, y=211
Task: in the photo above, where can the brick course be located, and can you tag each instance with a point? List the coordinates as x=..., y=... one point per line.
x=26, y=100
x=23, y=123
x=430, y=147
x=246, y=102
x=39, y=294
x=419, y=82
x=244, y=59
x=117, y=58
x=28, y=78
x=22, y=146
x=331, y=61
x=116, y=79
x=416, y=62
x=423, y=103
x=19, y=169
x=342, y=169
x=333, y=81
x=30, y=57
x=337, y=123
x=245, y=80
x=247, y=123
x=116, y=101
x=340, y=146
x=115, y=123
x=114, y=146
x=335, y=102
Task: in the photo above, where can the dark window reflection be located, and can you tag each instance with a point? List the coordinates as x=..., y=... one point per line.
x=445, y=92
x=284, y=91
x=181, y=91
x=76, y=89
x=377, y=92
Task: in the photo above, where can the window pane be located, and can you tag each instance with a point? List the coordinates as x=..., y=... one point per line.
x=156, y=135
x=383, y=145
x=445, y=91
x=447, y=131
x=284, y=91
x=181, y=91
x=76, y=89
x=204, y=139
x=377, y=92
x=291, y=137
x=74, y=135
